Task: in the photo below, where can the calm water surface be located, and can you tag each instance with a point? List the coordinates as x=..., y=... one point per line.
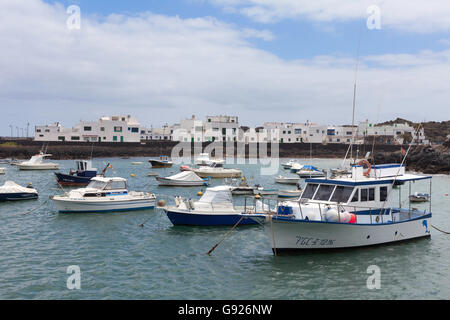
x=120, y=260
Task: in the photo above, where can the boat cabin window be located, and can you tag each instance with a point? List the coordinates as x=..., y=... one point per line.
x=96, y=185
x=364, y=195
x=356, y=196
x=309, y=191
x=324, y=192
x=383, y=193
x=113, y=185
x=341, y=194
x=371, y=194
x=368, y=194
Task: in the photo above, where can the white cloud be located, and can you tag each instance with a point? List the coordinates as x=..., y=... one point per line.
x=162, y=69
x=407, y=15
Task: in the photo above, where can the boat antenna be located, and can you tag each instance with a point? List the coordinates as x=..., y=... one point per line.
x=354, y=95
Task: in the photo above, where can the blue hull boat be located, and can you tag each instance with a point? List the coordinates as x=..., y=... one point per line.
x=81, y=177
x=194, y=219
x=17, y=196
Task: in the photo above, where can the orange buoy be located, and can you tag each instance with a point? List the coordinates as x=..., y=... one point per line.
x=367, y=163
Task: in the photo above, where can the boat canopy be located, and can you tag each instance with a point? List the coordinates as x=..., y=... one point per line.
x=220, y=194
x=12, y=187
x=185, y=176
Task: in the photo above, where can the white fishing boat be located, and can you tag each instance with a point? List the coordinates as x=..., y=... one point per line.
x=265, y=192
x=2, y=170
x=183, y=179
x=214, y=208
x=216, y=170
x=347, y=212
x=11, y=191
x=37, y=163
x=104, y=195
x=287, y=180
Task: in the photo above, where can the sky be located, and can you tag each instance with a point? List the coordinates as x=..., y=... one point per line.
x=261, y=60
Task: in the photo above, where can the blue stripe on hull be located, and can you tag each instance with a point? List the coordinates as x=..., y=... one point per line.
x=189, y=219
x=106, y=211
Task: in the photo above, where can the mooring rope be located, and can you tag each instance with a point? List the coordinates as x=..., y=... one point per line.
x=445, y=232
x=226, y=235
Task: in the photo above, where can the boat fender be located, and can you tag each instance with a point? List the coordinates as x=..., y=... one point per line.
x=332, y=215
x=177, y=200
x=191, y=204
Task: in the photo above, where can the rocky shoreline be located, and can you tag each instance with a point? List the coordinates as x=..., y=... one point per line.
x=426, y=159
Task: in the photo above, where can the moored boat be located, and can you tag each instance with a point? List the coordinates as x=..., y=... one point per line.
x=346, y=212
x=104, y=195
x=287, y=180
x=419, y=197
x=308, y=171
x=182, y=179
x=294, y=193
x=289, y=164
x=162, y=162
x=81, y=176
x=37, y=163
x=214, y=208
x=11, y=191
x=216, y=170
x=2, y=170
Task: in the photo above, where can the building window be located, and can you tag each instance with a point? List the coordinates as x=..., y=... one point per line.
x=102, y=129
x=298, y=131
x=38, y=130
x=135, y=130
x=47, y=130
x=117, y=129
x=114, y=138
x=75, y=138
x=62, y=138
x=87, y=128
x=41, y=135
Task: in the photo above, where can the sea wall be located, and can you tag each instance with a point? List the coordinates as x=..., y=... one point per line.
x=425, y=159
x=23, y=149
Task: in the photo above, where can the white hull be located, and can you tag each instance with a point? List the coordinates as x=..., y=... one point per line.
x=231, y=173
x=175, y=183
x=312, y=235
x=43, y=166
x=63, y=204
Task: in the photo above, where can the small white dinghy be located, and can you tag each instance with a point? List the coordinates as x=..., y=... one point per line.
x=287, y=180
x=11, y=191
x=182, y=179
x=2, y=170
x=104, y=195
x=37, y=163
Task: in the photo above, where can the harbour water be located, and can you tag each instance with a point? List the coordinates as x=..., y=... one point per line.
x=119, y=259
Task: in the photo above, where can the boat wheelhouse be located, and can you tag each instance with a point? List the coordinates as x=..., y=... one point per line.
x=347, y=212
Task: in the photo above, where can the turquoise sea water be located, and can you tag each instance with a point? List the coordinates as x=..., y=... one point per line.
x=120, y=260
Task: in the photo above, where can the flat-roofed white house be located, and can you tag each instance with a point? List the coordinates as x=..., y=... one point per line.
x=106, y=129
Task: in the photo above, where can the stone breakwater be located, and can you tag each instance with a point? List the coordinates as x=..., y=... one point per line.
x=425, y=159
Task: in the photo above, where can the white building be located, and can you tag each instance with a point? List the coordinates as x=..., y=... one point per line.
x=394, y=134
x=106, y=129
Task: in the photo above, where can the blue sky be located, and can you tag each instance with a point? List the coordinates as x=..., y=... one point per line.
x=262, y=60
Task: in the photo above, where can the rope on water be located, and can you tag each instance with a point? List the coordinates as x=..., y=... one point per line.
x=226, y=235
x=33, y=210
x=445, y=232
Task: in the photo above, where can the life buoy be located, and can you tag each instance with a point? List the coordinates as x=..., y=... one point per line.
x=367, y=163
